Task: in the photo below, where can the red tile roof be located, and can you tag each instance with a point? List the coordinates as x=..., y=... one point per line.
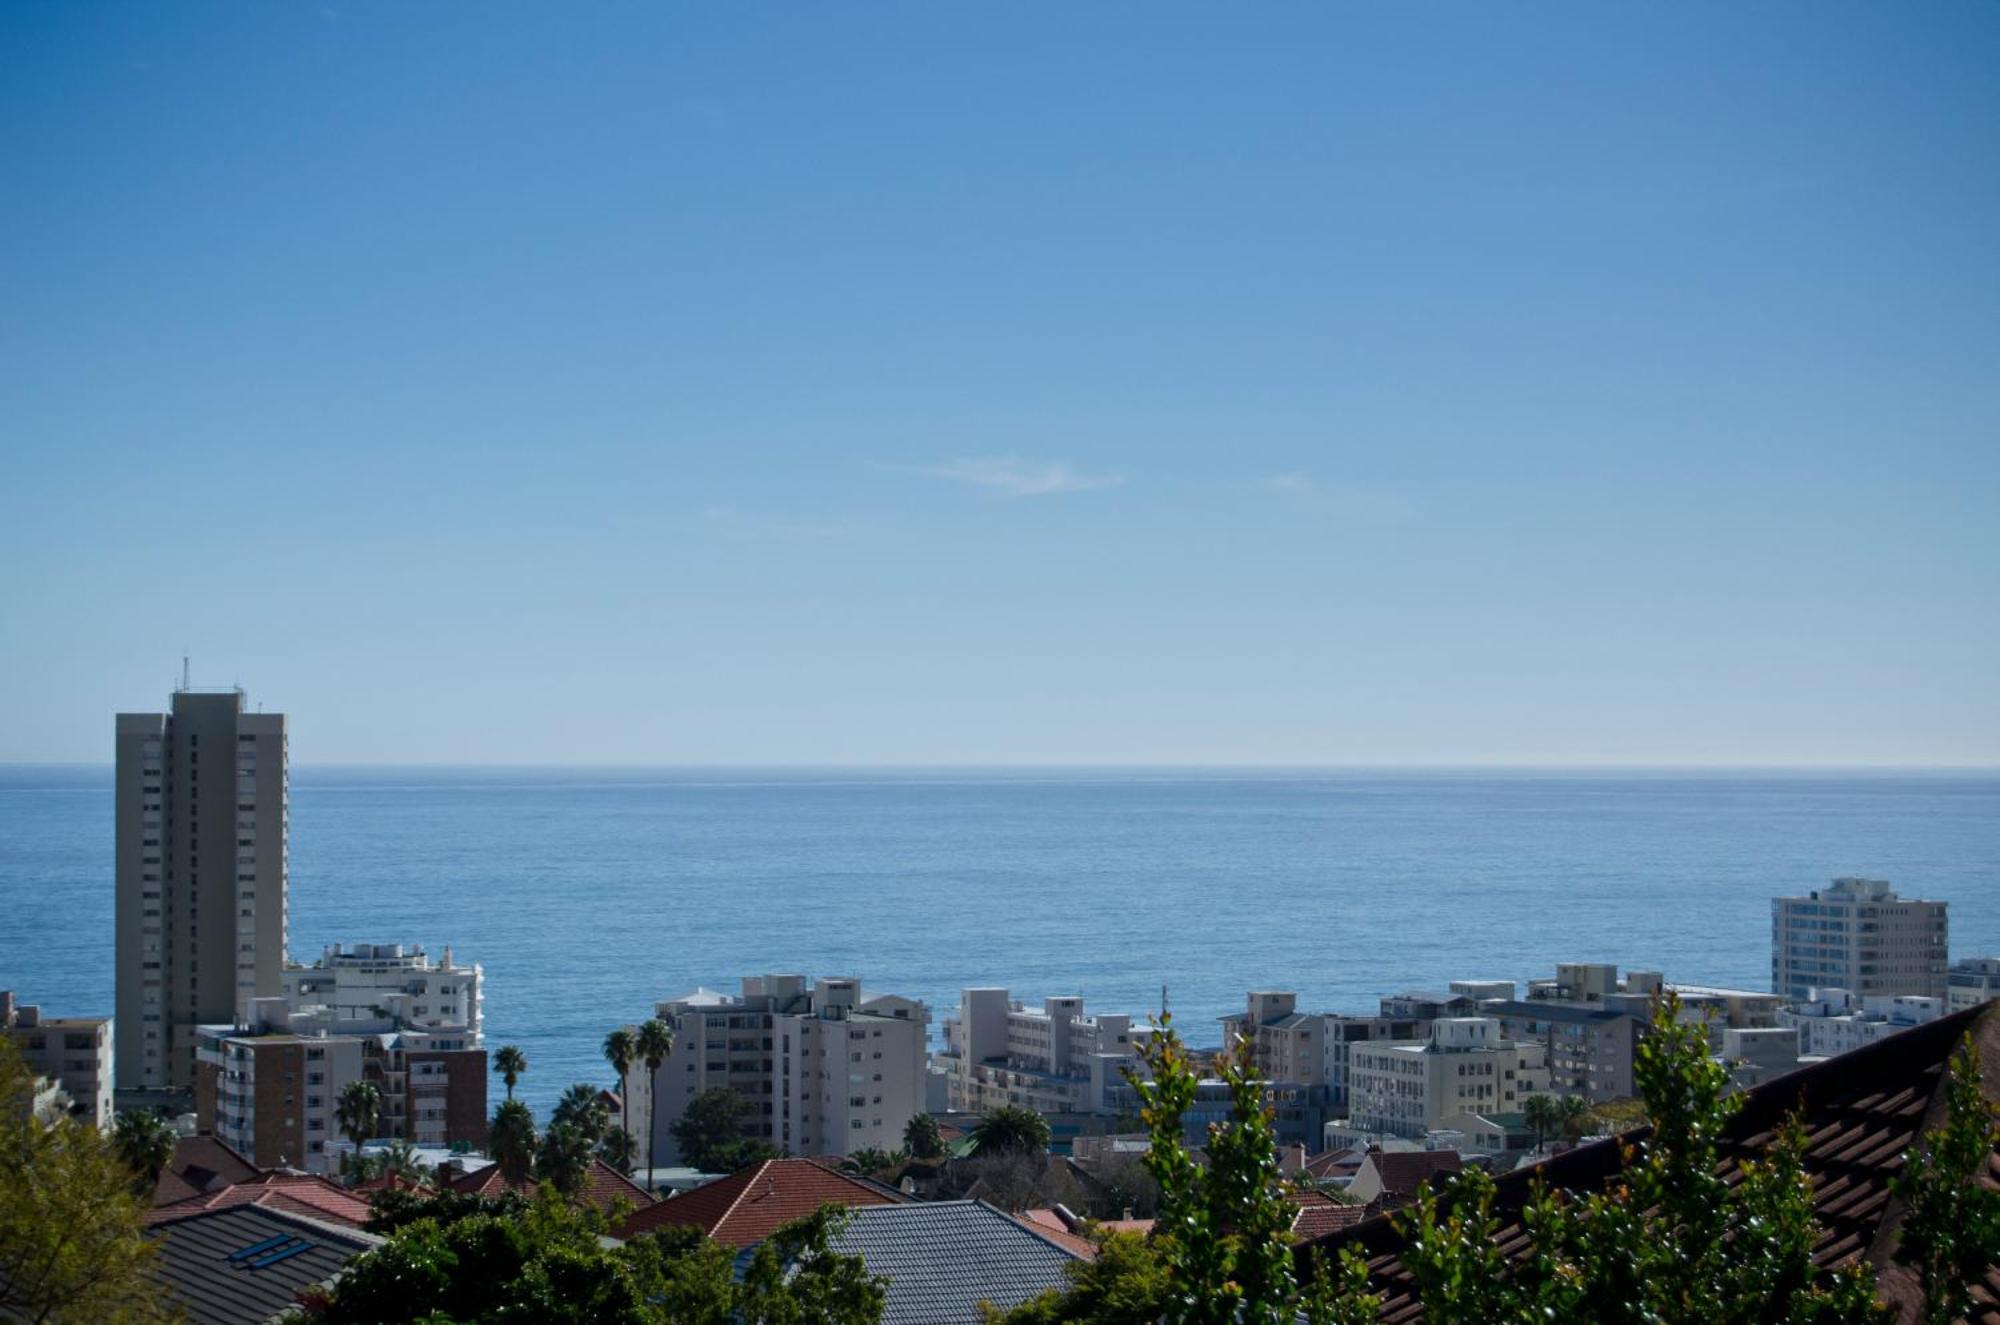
x=294, y=1193
x=1051, y=1226
x=1861, y=1111
x=201, y=1164
x=603, y=1186
x=749, y=1205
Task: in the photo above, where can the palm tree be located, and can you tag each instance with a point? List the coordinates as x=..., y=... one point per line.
x=620, y=1048
x=922, y=1138
x=582, y=1107
x=1539, y=1112
x=358, y=1168
x=1010, y=1130
x=146, y=1144
x=510, y=1063
x=654, y=1042
x=617, y=1149
x=511, y=1141
x=1573, y=1118
x=563, y=1158
x=399, y=1160
x=358, y=1110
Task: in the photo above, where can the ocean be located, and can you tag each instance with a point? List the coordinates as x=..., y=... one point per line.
x=588, y=894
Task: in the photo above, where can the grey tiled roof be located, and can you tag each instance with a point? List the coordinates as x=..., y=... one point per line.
x=196, y=1266
x=943, y=1258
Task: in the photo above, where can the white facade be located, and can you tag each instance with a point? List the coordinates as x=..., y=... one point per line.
x=1465, y=1067
x=1833, y=1021
x=827, y=1069
x=380, y=986
x=1053, y=1059
x=1972, y=981
x=1858, y=935
x=73, y=1053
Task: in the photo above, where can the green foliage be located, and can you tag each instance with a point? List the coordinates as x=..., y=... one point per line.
x=653, y=1043
x=618, y=1149
x=399, y=1160
x=582, y=1106
x=922, y=1138
x=1127, y=1284
x=146, y=1144
x=1010, y=1130
x=562, y=1159
x=511, y=1140
x=710, y=1132
x=1223, y=1231
x=392, y=1209
x=1669, y=1244
x=1952, y=1231
x=871, y=1161
x=358, y=1109
x=545, y=1262
x=510, y=1063
x=71, y=1252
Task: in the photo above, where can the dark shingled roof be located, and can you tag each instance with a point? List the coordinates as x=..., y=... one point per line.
x=208, y=1267
x=1861, y=1111
x=943, y=1258
x=201, y=1164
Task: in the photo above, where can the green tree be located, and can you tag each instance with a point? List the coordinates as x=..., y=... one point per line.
x=621, y=1048
x=1224, y=1228
x=582, y=1106
x=1539, y=1111
x=392, y=1208
x=511, y=1140
x=618, y=1150
x=869, y=1160
x=563, y=1158
x=710, y=1132
x=146, y=1144
x=1010, y=1130
x=654, y=1043
x=794, y=1278
x=922, y=1138
x=1951, y=1233
x=1572, y=1118
x=510, y=1063
x=358, y=1110
x=71, y=1250
x=1126, y=1283
x=399, y=1159
x=1670, y=1243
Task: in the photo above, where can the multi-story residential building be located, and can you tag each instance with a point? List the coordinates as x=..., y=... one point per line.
x=1834, y=1021
x=1972, y=981
x=1860, y=936
x=1755, y=1054
x=1053, y=1059
x=201, y=812
x=1288, y=1045
x=828, y=1070
x=1401, y=1017
x=74, y=1053
x=270, y=1087
x=1466, y=1066
x=1588, y=1049
x=378, y=985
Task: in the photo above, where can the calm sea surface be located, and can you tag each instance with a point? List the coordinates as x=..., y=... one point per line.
x=587, y=895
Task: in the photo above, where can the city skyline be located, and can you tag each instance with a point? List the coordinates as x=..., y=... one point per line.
x=1320, y=386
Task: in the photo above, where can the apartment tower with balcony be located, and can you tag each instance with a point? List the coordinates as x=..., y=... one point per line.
x=201, y=807
x=1858, y=935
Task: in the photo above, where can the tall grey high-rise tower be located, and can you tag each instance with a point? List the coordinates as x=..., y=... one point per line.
x=203, y=797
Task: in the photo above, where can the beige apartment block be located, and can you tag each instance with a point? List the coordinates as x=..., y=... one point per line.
x=201, y=810
x=828, y=1070
x=74, y=1053
x=1860, y=936
x=1053, y=1059
x=1287, y=1045
x=1465, y=1067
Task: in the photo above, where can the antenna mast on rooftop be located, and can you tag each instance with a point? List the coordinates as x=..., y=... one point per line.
x=184, y=671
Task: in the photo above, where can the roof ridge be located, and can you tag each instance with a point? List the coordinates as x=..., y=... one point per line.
x=749, y=1183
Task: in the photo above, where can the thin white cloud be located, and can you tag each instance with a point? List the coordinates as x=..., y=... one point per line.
x=1341, y=500
x=1014, y=476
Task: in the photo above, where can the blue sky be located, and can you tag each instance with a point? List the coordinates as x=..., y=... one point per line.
x=930, y=383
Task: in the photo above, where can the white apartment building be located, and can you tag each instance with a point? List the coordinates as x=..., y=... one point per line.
x=1972, y=981
x=201, y=806
x=1465, y=1067
x=828, y=1070
x=1858, y=935
x=1052, y=1059
x=379, y=986
x=1833, y=1021
x=73, y=1053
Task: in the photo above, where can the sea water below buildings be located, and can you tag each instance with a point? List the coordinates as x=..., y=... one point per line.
x=589, y=893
